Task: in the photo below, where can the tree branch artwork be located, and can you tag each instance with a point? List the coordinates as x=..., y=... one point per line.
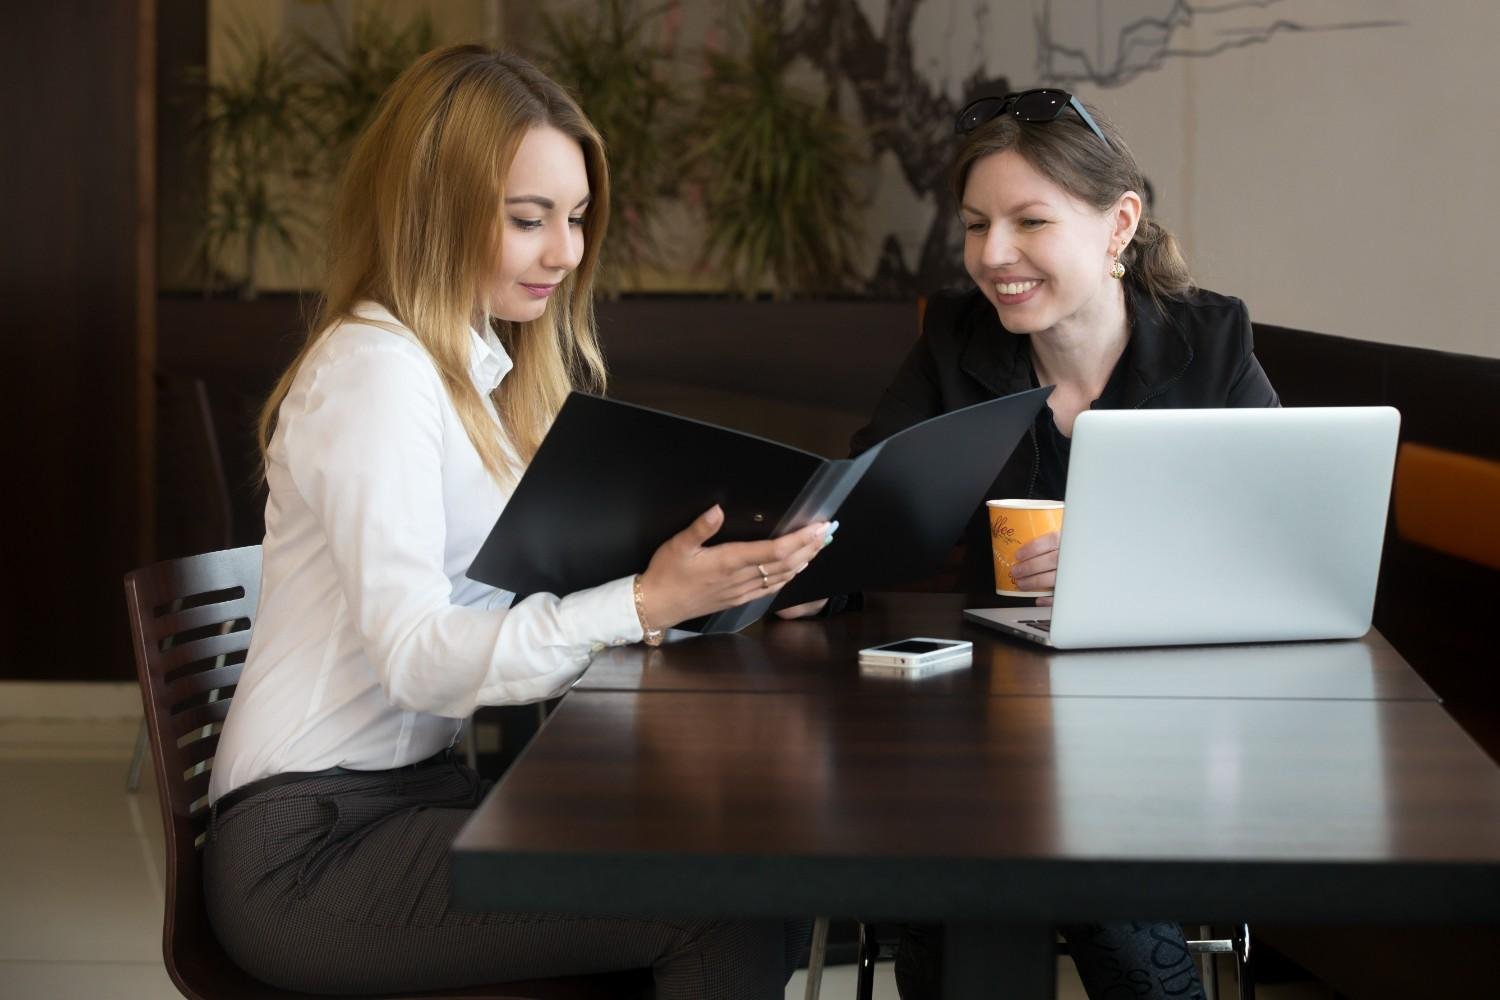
x=1078, y=42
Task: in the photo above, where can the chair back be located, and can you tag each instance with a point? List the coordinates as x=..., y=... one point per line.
x=190, y=620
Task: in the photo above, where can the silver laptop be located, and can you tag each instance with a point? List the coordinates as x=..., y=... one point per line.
x=1205, y=526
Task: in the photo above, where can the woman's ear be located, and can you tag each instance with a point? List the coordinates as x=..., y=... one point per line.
x=1126, y=217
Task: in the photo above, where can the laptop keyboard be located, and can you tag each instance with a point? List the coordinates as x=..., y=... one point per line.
x=1042, y=624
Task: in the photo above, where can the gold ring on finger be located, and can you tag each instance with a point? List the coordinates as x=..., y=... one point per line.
x=765, y=578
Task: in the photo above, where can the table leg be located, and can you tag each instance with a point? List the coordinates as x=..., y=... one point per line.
x=1014, y=961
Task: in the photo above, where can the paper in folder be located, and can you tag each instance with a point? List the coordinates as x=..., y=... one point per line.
x=612, y=481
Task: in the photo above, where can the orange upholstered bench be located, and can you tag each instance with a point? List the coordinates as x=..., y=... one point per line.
x=1449, y=502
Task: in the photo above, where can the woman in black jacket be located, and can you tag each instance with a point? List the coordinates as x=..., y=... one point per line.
x=1077, y=288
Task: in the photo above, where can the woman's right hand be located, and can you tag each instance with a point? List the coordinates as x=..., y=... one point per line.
x=1035, y=567
x=688, y=578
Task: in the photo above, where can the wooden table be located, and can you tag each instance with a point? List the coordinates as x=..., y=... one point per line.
x=821, y=657
x=786, y=784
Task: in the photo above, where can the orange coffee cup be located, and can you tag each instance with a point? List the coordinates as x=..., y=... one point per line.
x=1013, y=523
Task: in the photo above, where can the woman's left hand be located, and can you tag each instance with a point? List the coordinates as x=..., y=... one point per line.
x=1035, y=567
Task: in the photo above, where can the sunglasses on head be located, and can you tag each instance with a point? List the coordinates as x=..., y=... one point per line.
x=1043, y=105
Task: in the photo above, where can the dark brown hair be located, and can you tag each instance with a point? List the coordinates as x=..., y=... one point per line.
x=1071, y=156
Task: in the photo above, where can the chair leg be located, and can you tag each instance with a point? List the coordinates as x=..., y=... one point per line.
x=1208, y=969
x=1243, y=963
x=816, y=958
x=471, y=749
x=869, y=951
x=133, y=776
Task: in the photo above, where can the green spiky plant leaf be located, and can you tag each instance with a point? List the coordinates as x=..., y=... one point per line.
x=617, y=71
x=776, y=164
x=257, y=122
x=349, y=76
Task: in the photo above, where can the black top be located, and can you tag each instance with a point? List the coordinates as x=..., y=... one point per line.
x=1189, y=353
x=1053, y=448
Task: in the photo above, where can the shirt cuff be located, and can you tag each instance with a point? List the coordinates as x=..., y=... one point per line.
x=603, y=615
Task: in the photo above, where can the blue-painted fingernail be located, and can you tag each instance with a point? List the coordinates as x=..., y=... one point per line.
x=831, y=529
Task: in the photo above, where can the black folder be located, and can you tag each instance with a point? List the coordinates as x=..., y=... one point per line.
x=612, y=481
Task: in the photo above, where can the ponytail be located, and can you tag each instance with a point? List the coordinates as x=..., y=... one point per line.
x=1154, y=261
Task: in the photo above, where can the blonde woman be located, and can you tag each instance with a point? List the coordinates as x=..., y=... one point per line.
x=456, y=317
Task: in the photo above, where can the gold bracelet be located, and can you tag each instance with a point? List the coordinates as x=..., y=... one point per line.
x=650, y=636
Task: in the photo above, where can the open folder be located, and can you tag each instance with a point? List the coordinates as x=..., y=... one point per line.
x=612, y=481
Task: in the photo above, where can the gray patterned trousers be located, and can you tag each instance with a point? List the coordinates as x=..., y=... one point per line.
x=340, y=884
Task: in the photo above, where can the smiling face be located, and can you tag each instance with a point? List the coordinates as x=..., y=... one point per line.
x=1040, y=255
x=541, y=225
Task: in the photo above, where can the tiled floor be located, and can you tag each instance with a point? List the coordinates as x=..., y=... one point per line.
x=81, y=875
x=81, y=866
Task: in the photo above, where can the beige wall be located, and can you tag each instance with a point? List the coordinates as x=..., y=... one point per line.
x=1342, y=182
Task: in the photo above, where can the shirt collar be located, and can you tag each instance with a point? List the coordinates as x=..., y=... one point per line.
x=488, y=361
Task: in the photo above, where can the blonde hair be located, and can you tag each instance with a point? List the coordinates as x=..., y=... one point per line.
x=416, y=228
x=1070, y=155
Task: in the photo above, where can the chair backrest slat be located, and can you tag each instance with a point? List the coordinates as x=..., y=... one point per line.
x=204, y=649
x=181, y=692
x=189, y=619
x=194, y=789
x=199, y=751
x=190, y=719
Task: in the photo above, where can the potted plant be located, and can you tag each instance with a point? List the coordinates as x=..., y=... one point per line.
x=257, y=124
x=775, y=164
x=349, y=76
x=618, y=74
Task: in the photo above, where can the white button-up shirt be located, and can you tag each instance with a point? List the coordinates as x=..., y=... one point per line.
x=371, y=644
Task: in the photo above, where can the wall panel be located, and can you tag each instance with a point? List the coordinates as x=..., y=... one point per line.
x=71, y=325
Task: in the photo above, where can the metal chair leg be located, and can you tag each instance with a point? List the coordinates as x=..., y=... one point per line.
x=1208, y=969
x=467, y=738
x=1243, y=966
x=816, y=958
x=133, y=776
x=869, y=951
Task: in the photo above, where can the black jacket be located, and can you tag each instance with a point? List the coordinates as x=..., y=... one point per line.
x=1188, y=353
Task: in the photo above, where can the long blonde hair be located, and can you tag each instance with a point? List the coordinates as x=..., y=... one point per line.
x=416, y=229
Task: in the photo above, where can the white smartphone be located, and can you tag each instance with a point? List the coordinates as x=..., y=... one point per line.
x=915, y=656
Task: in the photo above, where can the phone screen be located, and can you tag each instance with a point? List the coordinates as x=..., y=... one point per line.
x=914, y=646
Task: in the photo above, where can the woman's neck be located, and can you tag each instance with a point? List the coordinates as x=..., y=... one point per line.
x=1081, y=352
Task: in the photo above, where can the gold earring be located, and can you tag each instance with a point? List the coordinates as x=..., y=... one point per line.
x=1118, y=271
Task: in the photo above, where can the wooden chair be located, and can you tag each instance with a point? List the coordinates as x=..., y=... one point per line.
x=190, y=619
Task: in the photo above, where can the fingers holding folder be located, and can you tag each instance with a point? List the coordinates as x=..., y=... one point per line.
x=689, y=577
